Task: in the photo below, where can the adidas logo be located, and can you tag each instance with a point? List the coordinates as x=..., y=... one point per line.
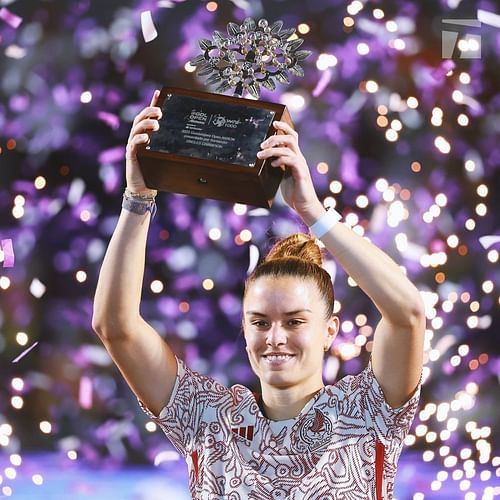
x=244, y=432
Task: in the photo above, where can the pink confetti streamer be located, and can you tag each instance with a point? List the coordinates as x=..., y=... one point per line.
x=322, y=83
x=109, y=119
x=26, y=351
x=85, y=393
x=8, y=253
x=10, y=18
x=148, y=28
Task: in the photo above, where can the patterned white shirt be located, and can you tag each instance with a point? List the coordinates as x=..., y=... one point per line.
x=344, y=444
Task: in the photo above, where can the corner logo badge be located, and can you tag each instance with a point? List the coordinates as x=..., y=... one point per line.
x=468, y=45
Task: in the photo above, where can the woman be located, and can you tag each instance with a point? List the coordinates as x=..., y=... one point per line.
x=302, y=440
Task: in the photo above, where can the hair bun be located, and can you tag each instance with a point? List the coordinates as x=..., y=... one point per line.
x=300, y=245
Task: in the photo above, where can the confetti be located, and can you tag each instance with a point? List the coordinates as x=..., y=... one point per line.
x=148, y=28
x=253, y=258
x=109, y=119
x=488, y=241
x=8, y=253
x=26, y=351
x=10, y=18
x=488, y=18
x=85, y=393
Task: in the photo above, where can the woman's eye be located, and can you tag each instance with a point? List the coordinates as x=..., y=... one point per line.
x=259, y=324
x=295, y=322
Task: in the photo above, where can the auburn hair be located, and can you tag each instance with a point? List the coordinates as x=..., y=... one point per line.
x=297, y=255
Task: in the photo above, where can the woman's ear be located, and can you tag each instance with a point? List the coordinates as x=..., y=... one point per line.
x=333, y=326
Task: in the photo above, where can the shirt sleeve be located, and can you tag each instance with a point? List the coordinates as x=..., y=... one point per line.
x=189, y=408
x=390, y=425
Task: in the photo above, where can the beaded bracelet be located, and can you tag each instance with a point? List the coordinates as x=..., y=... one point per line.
x=325, y=222
x=139, y=204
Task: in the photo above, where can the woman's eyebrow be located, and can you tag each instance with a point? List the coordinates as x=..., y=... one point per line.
x=291, y=313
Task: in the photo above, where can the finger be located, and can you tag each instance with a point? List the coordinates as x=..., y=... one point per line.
x=149, y=112
x=276, y=140
x=279, y=125
x=145, y=126
x=269, y=152
x=135, y=141
x=154, y=99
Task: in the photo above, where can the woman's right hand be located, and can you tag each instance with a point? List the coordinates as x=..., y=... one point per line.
x=145, y=122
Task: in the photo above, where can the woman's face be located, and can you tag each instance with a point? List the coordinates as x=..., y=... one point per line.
x=286, y=331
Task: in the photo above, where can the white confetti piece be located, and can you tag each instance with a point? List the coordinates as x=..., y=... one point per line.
x=37, y=288
x=488, y=18
x=166, y=456
x=148, y=28
x=253, y=258
x=15, y=52
x=26, y=351
x=488, y=241
x=8, y=252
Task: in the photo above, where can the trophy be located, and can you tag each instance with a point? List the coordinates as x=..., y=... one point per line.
x=207, y=143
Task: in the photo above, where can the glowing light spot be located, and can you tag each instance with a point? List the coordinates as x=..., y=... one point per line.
x=156, y=286
x=391, y=135
x=336, y=187
x=487, y=286
x=396, y=125
x=391, y=26
x=362, y=201
x=363, y=49
x=428, y=455
x=348, y=22
x=470, y=224
x=10, y=473
x=86, y=97
x=15, y=459
x=464, y=78
x=17, y=402
x=72, y=455
x=371, y=86
x=482, y=190
x=398, y=44
x=458, y=96
x=416, y=166
x=246, y=235
x=45, y=427
x=37, y=479
x=22, y=338
x=322, y=167
x=412, y=102
x=85, y=215
x=493, y=256
x=463, y=120
x=442, y=144
x=150, y=426
x=18, y=211
x=354, y=7
x=382, y=121
x=215, y=234
x=303, y=28
x=378, y=13
x=239, y=209
x=17, y=384
x=481, y=209
x=81, y=276
x=189, y=68
x=208, y=284
x=40, y=182
x=212, y=6
x=326, y=61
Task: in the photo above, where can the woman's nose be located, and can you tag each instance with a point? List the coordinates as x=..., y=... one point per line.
x=276, y=335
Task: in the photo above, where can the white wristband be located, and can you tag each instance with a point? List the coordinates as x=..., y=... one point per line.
x=325, y=223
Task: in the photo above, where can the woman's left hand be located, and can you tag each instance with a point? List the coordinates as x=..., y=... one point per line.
x=297, y=186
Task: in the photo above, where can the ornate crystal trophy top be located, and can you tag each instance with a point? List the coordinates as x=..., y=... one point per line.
x=250, y=56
